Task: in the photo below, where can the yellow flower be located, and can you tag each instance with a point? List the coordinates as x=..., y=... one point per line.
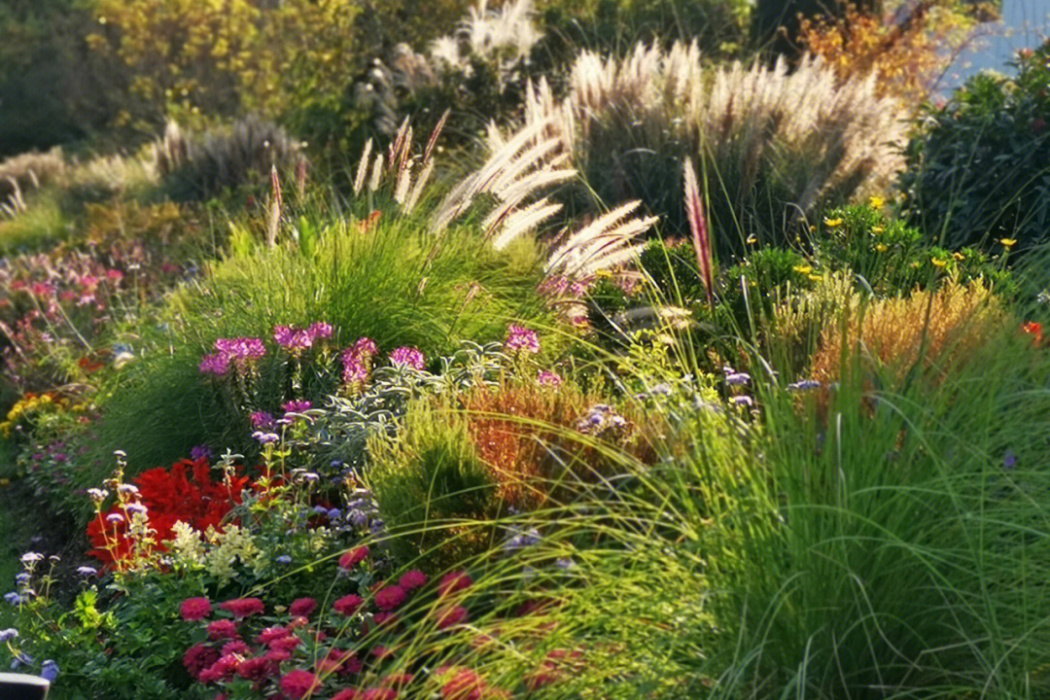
x=877, y=229
x=752, y=239
x=877, y=202
x=832, y=223
x=1008, y=242
x=939, y=262
x=803, y=269
x=958, y=256
x=914, y=264
x=815, y=278
x=882, y=247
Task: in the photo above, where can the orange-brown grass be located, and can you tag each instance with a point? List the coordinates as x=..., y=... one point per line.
x=938, y=330
x=526, y=434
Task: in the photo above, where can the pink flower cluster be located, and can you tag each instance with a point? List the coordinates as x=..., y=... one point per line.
x=297, y=340
x=521, y=340
x=240, y=351
x=357, y=361
x=407, y=356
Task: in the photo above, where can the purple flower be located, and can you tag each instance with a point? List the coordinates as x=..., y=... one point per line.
x=743, y=401
x=115, y=518
x=216, y=364
x=200, y=452
x=406, y=356
x=319, y=330
x=738, y=378
x=262, y=420
x=521, y=339
x=354, y=371
x=50, y=670
x=365, y=347
x=8, y=634
x=804, y=385
x=1009, y=460
x=87, y=571
x=265, y=438
x=292, y=339
x=240, y=349
x=545, y=378
x=297, y=406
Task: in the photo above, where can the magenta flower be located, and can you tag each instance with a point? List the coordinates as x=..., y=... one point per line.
x=216, y=364
x=545, y=378
x=240, y=349
x=195, y=609
x=366, y=346
x=222, y=629
x=354, y=557
x=199, y=657
x=302, y=607
x=406, y=356
x=241, y=608
x=319, y=330
x=297, y=406
x=390, y=598
x=452, y=616
x=412, y=580
x=348, y=604
x=354, y=370
x=262, y=420
x=292, y=339
x=455, y=581
x=521, y=339
x=299, y=684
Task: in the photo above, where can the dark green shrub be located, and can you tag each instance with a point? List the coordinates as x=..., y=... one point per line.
x=979, y=169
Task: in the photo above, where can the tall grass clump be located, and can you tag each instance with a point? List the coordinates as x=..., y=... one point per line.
x=891, y=545
x=773, y=145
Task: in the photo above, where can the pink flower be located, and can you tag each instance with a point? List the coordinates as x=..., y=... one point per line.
x=302, y=607
x=450, y=617
x=241, y=608
x=406, y=356
x=412, y=580
x=293, y=339
x=548, y=379
x=289, y=643
x=365, y=347
x=195, y=609
x=521, y=339
x=199, y=657
x=379, y=694
x=261, y=420
x=385, y=619
x=347, y=694
x=256, y=669
x=297, y=406
x=354, y=557
x=216, y=364
x=390, y=598
x=319, y=330
x=299, y=684
x=348, y=605
x=222, y=629
x=271, y=634
x=222, y=669
x=237, y=647
x=455, y=581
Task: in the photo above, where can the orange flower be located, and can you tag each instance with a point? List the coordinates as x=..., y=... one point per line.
x=1034, y=329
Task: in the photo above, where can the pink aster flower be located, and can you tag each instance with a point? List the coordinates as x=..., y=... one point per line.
x=237, y=647
x=390, y=598
x=256, y=669
x=199, y=657
x=412, y=580
x=222, y=629
x=545, y=378
x=195, y=609
x=407, y=356
x=521, y=339
x=297, y=406
x=302, y=607
x=455, y=581
x=354, y=557
x=292, y=339
x=319, y=330
x=299, y=684
x=261, y=420
x=271, y=634
x=241, y=608
x=451, y=616
x=216, y=364
x=348, y=605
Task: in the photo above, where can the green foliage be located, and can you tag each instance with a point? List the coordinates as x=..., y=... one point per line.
x=397, y=284
x=977, y=169
x=433, y=489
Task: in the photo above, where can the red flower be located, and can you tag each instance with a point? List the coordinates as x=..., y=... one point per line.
x=348, y=694
x=451, y=616
x=256, y=669
x=465, y=685
x=455, y=581
x=235, y=647
x=286, y=643
x=1034, y=329
x=241, y=608
x=412, y=580
x=221, y=670
x=390, y=598
x=299, y=684
x=199, y=657
x=354, y=557
x=271, y=634
x=348, y=605
x=302, y=607
x=222, y=629
x=195, y=609
x=379, y=694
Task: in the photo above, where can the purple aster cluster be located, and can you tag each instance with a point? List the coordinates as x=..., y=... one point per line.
x=241, y=351
x=545, y=378
x=297, y=340
x=357, y=361
x=297, y=406
x=521, y=339
x=261, y=420
x=407, y=356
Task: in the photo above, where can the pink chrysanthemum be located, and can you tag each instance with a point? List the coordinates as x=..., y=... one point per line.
x=455, y=581
x=390, y=598
x=412, y=580
x=195, y=609
x=222, y=629
x=406, y=356
x=348, y=604
x=521, y=339
x=299, y=684
x=302, y=607
x=354, y=557
x=241, y=608
x=452, y=616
